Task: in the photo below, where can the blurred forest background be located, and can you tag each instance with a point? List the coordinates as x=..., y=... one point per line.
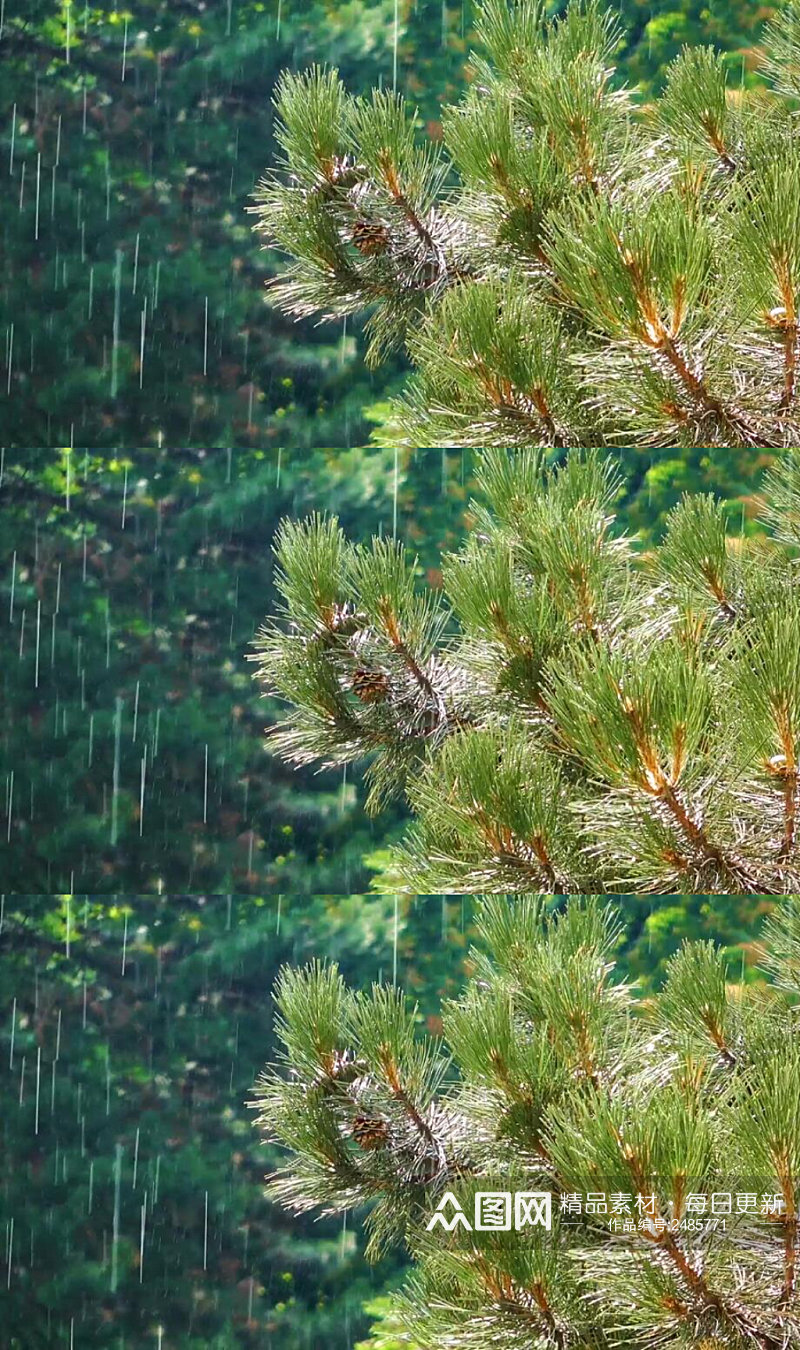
x=133, y=1028
x=134, y=321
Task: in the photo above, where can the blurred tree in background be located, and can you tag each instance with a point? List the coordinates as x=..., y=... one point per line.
x=133, y=754
x=132, y=291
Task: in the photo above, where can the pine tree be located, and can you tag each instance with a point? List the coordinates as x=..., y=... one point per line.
x=569, y=711
x=635, y=1118
x=570, y=267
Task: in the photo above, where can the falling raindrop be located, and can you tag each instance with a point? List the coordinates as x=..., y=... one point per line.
x=38, y=189
x=141, y=342
x=141, y=792
x=115, y=1229
x=141, y=1241
x=115, y=328
x=115, y=781
x=38, y=1086
x=38, y=637
x=205, y=1235
x=205, y=787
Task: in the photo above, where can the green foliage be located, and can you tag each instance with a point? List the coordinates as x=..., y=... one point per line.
x=170, y=1045
x=588, y=271
x=591, y=716
x=134, y=139
x=565, y=1082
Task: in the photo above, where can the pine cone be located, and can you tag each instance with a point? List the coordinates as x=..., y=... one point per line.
x=370, y=686
x=370, y=238
x=370, y=1132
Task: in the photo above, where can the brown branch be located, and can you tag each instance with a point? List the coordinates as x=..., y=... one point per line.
x=505, y=398
x=735, y=1316
x=717, y=590
x=715, y=137
x=732, y=1316
x=540, y=849
x=700, y=840
x=395, y=637
x=701, y=395
x=659, y=339
x=717, y=1037
x=400, y=1095
x=504, y=846
x=541, y=405
x=400, y=199
x=655, y=783
x=539, y=1295
x=501, y=1287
